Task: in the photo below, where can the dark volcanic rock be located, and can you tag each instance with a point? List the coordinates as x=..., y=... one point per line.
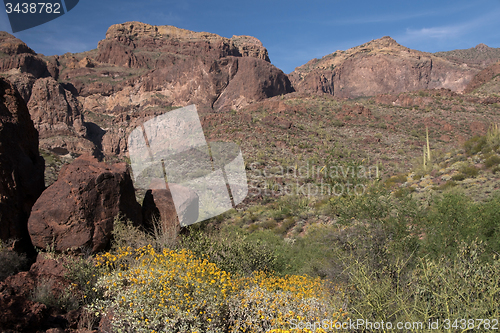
x=21, y=166
x=78, y=210
x=23, y=314
x=159, y=205
x=18, y=313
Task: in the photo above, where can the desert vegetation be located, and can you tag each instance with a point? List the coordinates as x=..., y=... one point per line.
x=386, y=255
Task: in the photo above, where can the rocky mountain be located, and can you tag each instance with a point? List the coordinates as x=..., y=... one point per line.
x=89, y=102
x=479, y=56
x=379, y=66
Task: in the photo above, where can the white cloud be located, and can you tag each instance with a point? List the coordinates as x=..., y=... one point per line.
x=435, y=32
x=449, y=32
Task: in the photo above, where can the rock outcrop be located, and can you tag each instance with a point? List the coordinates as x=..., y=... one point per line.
x=14, y=54
x=378, y=67
x=161, y=46
x=22, y=313
x=483, y=77
x=78, y=210
x=158, y=207
x=54, y=110
x=21, y=166
x=480, y=56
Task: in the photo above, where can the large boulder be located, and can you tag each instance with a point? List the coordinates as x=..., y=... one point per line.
x=21, y=166
x=158, y=207
x=78, y=210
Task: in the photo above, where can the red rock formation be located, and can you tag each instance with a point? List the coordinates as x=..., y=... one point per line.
x=379, y=67
x=163, y=45
x=19, y=56
x=79, y=208
x=21, y=166
x=483, y=77
x=54, y=110
x=19, y=312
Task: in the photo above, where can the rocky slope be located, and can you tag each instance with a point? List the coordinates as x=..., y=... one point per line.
x=138, y=71
x=479, y=56
x=488, y=75
x=379, y=66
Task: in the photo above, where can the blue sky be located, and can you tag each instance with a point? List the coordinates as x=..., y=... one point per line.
x=294, y=32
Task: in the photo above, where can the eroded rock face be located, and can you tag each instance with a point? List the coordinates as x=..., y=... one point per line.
x=54, y=110
x=483, y=76
x=379, y=67
x=163, y=45
x=78, y=210
x=21, y=166
x=56, y=113
x=19, y=55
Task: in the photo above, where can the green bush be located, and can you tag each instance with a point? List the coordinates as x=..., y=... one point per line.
x=491, y=161
x=233, y=251
x=461, y=286
x=469, y=171
x=84, y=273
x=44, y=292
x=11, y=261
x=475, y=144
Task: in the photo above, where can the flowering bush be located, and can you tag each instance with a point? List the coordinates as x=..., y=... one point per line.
x=176, y=291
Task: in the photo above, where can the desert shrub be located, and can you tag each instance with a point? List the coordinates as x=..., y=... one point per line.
x=372, y=206
x=269, y=224
x=458, y=177
x=449, y=184
x=234, y=251
x=126, y=234
x=285, y=225
x=469, y=171
x=44, y=292
x=462, y=286
x=177, y=291
x=491, y=161
x=448, y=222
x=11, y=261
x=397, y=179
x=475, y=144
x=455, y=218
x=84, y=273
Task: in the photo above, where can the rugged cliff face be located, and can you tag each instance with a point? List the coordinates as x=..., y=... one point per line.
x=379, y=66
x=136, y=72
x=21, y=166
x=139, y=45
